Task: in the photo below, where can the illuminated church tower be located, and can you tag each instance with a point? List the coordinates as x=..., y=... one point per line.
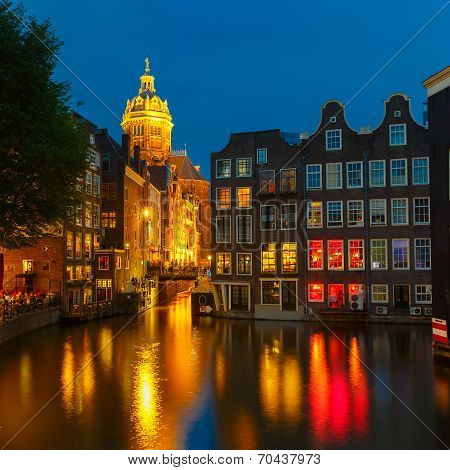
x=148, y=122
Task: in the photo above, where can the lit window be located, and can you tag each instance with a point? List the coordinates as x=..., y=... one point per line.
x=223, y=169
x=377, y=173
x=314, y=214
x=96, y=216
x=335, y=255
x=421, y=210
x=378, y=212
x=223, y=263
x=399, y=172
x=244, y=263
x=118, y=262
x=243, y=167
x=268, y=258
x=399, y=207
x=103, y=263
x=244, y=198
x=424, y=294
x=334, y=214
x=88, y=214
x=380, y=293
x=88, y=182
x=109, y=219
x=421, y=173
x=314, y=176
x=244, y=228
x=270, y=292
x=79, y=215
x=334, y=139
x=288, y=181
x=69, y=244
x=336, y=297
x=261, y=156
x=223, y=197
x=397, y=134
x=356, y=254
x=400, y=253
x=334, y=175
x=315, y=293
x=97, y=185
x=223, y=229
x=27, y=266
x=288, y=216
x=267, y=181
x=355, y=213
x=268, y=218
x=354, y=175
x=315, y=254
x=422, y=253
x=378, y=254
x=87, y=245
x=78, y=247
x=289, y=257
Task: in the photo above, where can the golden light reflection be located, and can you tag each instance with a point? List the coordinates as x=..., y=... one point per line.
x=245, y=431
x=67, y=378
x=25, y=377
x=106, y=347
x=87, y=375
x=442, y=388
x=220, y=373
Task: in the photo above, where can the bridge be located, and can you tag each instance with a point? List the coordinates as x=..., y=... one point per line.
x=178, y=277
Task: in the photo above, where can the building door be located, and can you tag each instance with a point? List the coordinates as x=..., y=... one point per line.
x=239, y=297
x=74, y=300
x=289, y=296
x=401, y=296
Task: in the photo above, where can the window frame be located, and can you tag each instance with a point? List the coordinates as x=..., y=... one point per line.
x=309, y=292
x=371, y=185
x=362, y=223
x=237, y=167
x=384, y=302
x=415, y=254
x=386, y=251
x=328, y=135
x=308, y=255
x=257, y=156
x=230, y=231
x=260, y=217
x=406, y=172
x=295, y=180
x=237, y=263
x=217, y=198
x=428, y=171
x=217, y=168
x=347, y=174
x=393, y=223
x=371, y=224
x=408, y=252
x=421, y=302
x=308, y=166
x=241, y=216
x=274, y=258
x=405, y=134
x=331, y=188
x=238, y=207
x=308, y=206
x=279, y=291
x=414, y=210
x=330, y=268
x=363, y=254
x=295, y=215
x=217, y=264
x=296, y=257
x=342, y=214
x=266, y=193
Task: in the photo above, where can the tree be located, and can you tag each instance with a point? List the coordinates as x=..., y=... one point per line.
x=43, y=147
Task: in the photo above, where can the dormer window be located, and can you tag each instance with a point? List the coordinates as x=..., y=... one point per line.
x=333, y=139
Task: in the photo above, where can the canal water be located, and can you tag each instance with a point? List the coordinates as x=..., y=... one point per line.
x=169, y=381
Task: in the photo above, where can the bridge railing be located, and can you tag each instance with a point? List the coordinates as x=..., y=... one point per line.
x=15, y=308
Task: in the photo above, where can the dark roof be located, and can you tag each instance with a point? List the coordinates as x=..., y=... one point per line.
x=185, y=168
x=158, y=176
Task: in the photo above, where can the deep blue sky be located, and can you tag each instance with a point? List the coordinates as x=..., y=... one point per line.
x=230, y=66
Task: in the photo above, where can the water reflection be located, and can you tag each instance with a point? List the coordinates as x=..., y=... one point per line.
x=172, y=381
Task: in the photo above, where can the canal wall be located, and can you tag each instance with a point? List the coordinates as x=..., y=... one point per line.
x=24, y=324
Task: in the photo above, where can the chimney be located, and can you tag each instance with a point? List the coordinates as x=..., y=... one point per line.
x=137, y=157
x=126, y=148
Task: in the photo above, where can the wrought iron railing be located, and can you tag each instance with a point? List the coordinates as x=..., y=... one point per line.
x=15, y=308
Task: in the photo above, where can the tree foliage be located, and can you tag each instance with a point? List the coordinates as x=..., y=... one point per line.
x=42, y=146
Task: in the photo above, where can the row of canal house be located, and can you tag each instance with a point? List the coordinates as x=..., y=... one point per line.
x=333, y=222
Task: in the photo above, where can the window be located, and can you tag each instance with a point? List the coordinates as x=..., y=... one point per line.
x=109, y=191
x=397, y=134
x=288, y=216
x=88, y=182
x=79, y=215
x=268, y=218
x=118, y=262
x=400, y=253
x=243, y=198
x=239, y=297
x=88, y=273
x=380, y=293
x=270, y=292
x=243, y=167
x=378, y=212
x=244, y=228
x=223, y=198
x=106, y=163
x=223, y=168
x=334, y=139
x=289, y=257
x=355, y=213
x=69, y=244
x=268, y=258
x=399, y=208
x=354, y=174
x=314, y=214
x=88, y=214
x=315, y=254
x=244, y=263
x=96, y=216
x=336, y=295
x=314, y=176
x=334, y=214
x=399, y=172
x=96, y=185
x=103, y=263
x=288, y=181
x=88, y=245
x=421, y=173
x=421, y=210
x=378, y=254
x=334, y=175
x=104, y=289
x=78, y=248
x=109, y=219
x=315, y=293
x=267, y=182
x=356, y=254
x=422, y=253
x=377, y=173
x=223, y=229
x=335, y=255
x=261, y=156
x=424, y=294
x=223, y=263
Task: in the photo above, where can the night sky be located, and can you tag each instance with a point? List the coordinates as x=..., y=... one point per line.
x=245, y=65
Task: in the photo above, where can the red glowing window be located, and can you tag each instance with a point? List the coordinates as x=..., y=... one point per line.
x=315, y=292
x=315, y=254
x=356, y=254
x=335, y=255
x=336, y=295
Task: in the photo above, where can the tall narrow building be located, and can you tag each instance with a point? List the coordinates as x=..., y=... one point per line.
x=148, y=122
